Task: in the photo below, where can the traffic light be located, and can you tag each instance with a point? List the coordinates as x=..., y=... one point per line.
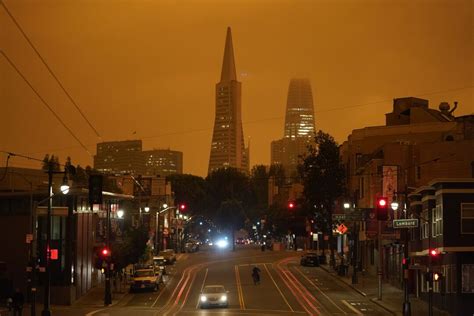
x=382, y=209
x=95, y=189
x=406, y=263
x=437, y=276
x=182, y=207
x=105, y=253
x=291, y=205
x=434, y=253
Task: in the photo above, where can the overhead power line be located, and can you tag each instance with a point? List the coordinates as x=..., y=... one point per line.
x=50, y=70
x=191, y=131
x=44, y=102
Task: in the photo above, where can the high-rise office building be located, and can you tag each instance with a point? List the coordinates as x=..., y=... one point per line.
x=119, y=157
x=228, y=145
x=127, y=157
x=163, y=162
x=299, y=126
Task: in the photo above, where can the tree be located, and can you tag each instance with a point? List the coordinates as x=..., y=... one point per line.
x=229, y=191
x=230, y=216
x=54, y=160
x=133, y=249
x=323, y=180
x=190, y=190
x=227, y=184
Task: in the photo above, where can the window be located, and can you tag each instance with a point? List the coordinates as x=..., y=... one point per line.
x=437, y=221
x=418, y=173
x=424, y=228
x=361, y=187
x=467, y=218
x=467, y=278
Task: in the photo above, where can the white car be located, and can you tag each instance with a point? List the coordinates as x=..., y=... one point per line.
x=213, y=295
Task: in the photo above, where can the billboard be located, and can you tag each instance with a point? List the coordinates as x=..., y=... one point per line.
x=389, y=182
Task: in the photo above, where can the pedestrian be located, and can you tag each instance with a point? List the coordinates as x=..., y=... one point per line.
x=18, y=300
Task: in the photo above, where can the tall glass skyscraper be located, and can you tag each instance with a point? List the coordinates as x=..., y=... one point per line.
x=299, y=126
x=228, y=147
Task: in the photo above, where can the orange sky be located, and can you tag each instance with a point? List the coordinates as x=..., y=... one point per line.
x=150, y=67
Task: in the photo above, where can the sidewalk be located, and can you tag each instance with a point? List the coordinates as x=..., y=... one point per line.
x=95, y=297
x=392, y=297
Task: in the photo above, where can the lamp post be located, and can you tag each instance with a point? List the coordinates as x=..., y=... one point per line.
x=355, y=241
x=64, y=189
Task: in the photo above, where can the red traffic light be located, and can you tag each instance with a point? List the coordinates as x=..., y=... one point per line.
x=434, y=253
x=105, y=252
x=291, y=205
x=182, y=207
x=382, y=208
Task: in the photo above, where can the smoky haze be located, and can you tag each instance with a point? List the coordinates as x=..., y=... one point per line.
x=147, y=69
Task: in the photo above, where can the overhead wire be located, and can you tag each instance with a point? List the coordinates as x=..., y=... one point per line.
x=50, y=70
x=44, y=101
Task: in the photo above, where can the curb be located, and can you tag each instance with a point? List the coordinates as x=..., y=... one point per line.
x=374, y=300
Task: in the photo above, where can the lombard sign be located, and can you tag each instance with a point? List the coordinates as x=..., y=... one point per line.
x=405, y=223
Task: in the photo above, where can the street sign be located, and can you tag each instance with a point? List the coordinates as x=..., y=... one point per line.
x=342, y=229
x=405, y=223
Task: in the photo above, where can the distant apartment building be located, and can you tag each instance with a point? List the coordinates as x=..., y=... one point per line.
x=299, y=127
x=127, y=157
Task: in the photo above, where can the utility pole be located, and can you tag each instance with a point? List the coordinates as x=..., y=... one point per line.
x=406, y=300
x=47, y=290
x=430, y=272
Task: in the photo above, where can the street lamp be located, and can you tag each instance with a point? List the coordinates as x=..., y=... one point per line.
x=64, y=189
x=347, y=205
x=120, y=213
x=394, y=205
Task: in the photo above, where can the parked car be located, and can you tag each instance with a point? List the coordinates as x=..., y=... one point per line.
x=159, y=263
x=213, y=295
x=191, y=246
x=310, y=259
x=169, y=256
x=145, y=279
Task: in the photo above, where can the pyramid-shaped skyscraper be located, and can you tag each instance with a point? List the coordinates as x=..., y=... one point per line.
x=228, y=146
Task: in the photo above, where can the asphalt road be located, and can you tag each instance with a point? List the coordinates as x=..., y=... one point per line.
x=286, y=288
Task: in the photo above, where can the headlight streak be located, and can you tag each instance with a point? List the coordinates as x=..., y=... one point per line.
x=298, y=290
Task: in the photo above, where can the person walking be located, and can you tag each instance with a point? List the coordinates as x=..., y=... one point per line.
x=18, y=301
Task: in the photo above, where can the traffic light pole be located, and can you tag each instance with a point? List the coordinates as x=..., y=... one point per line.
x=379, y=268
x=108, y=294
x=354, y=253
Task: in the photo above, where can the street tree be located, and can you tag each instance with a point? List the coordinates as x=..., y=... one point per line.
x=190, y=190
x=323, y=179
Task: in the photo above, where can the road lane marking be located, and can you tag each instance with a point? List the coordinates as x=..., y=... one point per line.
x=352, y=307
x=292, y=287
x=278, y=288
x=202, y=286
x=239, y=288
x=317, y=288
